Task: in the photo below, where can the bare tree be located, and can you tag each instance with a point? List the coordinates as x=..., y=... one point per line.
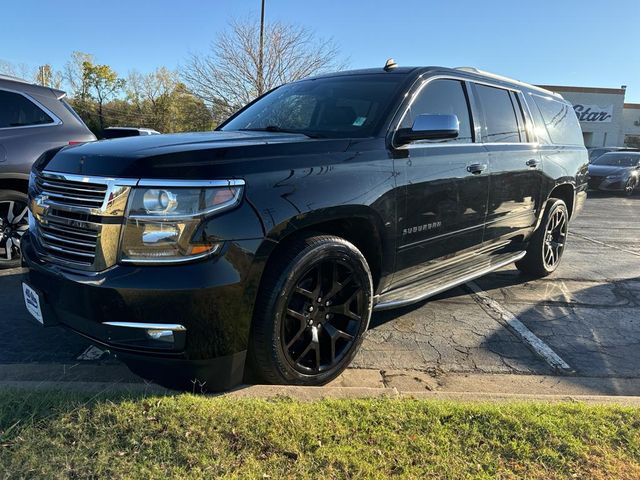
x=74, y=74
x=229, y=74
x=20, y=70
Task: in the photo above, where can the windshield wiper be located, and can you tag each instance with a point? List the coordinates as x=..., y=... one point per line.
x=277, y=129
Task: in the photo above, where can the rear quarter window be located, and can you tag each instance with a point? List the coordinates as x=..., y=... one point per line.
x=16, y=110
x=560, y=121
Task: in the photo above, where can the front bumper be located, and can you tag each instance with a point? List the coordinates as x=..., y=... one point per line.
x=607, y=184
x=213, y=300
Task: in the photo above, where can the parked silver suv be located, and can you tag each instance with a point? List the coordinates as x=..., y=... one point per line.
x=33, y=119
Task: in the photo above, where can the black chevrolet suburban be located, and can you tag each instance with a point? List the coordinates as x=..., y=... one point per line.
x=266, y=245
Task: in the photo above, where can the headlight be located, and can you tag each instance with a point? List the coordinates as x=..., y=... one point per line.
x=615, y=176
x=161, y=220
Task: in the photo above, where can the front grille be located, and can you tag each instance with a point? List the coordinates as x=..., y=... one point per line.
x=67, y=242
x=74, y=218
x=65, y=192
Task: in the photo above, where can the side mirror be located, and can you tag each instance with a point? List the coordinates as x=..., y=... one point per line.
x=430, y=127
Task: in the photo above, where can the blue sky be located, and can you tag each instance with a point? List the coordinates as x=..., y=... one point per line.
x=566, y=42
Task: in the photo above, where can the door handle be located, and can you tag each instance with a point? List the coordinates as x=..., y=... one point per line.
x=533, y=163
x=477, y=168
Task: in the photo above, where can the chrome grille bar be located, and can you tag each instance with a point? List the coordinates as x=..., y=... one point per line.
x=66, y=193
x=72, y=218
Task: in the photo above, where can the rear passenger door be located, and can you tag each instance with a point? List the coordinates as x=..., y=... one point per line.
x=515, y=179
x=445, y=185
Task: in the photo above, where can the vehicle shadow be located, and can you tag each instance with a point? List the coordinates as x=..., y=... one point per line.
x=594, y=329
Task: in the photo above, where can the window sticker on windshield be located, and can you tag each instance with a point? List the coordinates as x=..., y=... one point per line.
x=358, y=122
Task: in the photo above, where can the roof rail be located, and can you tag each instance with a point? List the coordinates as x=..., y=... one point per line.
x=484, y=73
x=12, y=78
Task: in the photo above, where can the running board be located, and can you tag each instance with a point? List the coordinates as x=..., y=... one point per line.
x=415, y=293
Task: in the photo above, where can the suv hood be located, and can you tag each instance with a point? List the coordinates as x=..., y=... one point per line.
x=182, y=155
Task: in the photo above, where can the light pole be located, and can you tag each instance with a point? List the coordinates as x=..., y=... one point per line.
x=261, y=53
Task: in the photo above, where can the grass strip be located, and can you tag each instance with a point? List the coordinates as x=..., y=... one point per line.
x=63, y=435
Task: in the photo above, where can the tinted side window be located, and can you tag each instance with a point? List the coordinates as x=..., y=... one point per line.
x=500, y=122
x=444, y=97
x=539, y=128
x=18, y=111
x=560, y=120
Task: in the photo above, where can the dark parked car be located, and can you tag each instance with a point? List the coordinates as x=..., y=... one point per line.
x=120, y=132
x=596, y=152
x=615, y=172
x=33, y=119
x=265, y=246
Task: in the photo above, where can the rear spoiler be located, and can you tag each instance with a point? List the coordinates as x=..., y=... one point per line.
x=58, y=93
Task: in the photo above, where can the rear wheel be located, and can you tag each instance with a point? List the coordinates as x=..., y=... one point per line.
x=547, y=243
x=13, y=225
x=312, y=311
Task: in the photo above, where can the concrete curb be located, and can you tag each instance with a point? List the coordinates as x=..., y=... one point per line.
x=353, y=383
x=310, y=394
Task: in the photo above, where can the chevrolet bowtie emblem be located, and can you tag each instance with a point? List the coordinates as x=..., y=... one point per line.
x=40, y=208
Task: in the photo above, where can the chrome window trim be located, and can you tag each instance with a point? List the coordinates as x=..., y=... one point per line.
x=56, y=120
x=174, y=327
x=460, y=78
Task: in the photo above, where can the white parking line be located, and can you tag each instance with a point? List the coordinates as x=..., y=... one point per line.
x=598, y=242
x=515, y=326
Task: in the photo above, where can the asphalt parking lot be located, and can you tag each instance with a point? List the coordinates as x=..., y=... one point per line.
x=587, y=314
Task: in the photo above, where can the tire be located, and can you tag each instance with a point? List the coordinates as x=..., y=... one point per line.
x=13, y=225
x=547, y=244
x=630, y=186
x=298, y=337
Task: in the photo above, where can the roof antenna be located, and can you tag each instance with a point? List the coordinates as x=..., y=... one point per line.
x=390, y=65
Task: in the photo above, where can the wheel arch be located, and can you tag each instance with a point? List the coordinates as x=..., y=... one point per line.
x=359, y=225
x=17, y=184
x=566, y=192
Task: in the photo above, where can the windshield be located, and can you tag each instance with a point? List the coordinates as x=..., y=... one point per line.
x=618, y=160
x=337, y=107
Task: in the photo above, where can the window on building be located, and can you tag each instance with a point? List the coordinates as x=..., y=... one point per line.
x=18, y=111
x=560, y=121
x=632, y=141
x=443, y=97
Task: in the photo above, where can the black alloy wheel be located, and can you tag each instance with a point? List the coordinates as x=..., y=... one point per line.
x=547, y=244
x=312, y=310
x=322, y=318
x=13, y=225
x=555, y=238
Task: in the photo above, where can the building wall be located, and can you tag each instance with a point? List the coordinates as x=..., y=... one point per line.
x=631, y=130
x=608, y=133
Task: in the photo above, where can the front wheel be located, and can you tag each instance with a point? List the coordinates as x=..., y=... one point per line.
x=312, y=310
x=630, y=186
x=548, y=241
x=13, y=225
